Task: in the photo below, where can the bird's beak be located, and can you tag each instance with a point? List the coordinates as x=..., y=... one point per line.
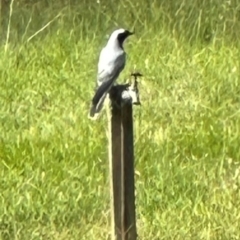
x=130, y=33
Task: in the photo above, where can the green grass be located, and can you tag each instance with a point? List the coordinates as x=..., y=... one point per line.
x=54, y=160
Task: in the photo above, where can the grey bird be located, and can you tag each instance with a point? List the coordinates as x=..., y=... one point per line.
x=111, y=62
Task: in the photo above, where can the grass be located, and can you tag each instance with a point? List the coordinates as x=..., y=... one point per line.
x=54, y=161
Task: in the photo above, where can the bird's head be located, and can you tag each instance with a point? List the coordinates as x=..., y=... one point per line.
x=119, y=36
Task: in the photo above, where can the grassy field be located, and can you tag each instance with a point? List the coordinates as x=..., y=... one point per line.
x=54, y=161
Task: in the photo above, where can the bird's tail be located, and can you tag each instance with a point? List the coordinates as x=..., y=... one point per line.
x=96, y=108
x=98, y=100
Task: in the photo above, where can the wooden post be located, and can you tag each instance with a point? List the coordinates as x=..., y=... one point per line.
x=116, y=171
x=128, y=162
x=122, y=162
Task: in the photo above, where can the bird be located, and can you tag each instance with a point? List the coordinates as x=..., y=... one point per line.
x=111, y=63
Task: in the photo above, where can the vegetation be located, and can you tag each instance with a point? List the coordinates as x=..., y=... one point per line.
x=54, y=160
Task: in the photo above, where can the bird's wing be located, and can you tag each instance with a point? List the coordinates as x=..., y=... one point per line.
x=106, y=78
x=111, y=63
x=108, y=75
x=101, y=92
